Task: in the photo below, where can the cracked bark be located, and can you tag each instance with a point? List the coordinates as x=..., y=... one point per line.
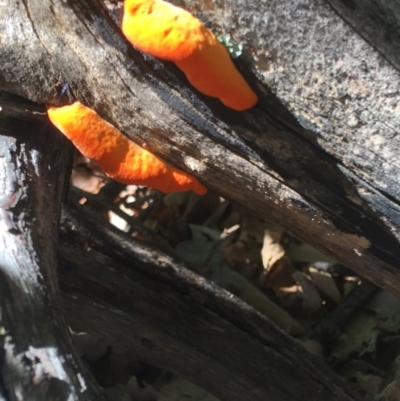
x=37, y=360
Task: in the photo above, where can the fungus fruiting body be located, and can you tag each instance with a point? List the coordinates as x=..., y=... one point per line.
x=117, y=156
x=171, y=33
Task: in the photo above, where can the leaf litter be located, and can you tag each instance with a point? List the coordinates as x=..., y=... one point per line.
x=293, y=284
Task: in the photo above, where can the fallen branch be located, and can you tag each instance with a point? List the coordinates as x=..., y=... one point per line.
x=190, y=327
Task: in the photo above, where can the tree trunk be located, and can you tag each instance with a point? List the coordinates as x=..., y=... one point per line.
x=37, y=360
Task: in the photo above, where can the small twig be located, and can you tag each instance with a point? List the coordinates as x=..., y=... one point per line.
x=330, y=328
x=24, y=111
x=100, y=202
x=105, y=231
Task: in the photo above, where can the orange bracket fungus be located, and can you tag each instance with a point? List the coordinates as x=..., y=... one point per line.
x=117, y=156
x=171, y=33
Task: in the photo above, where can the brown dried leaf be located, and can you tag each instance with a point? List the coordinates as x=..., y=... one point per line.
x=311, y=300
x=325, y=284
x=305, y=253
x=272, y=249
x=278, y=269
x=85, y=178
x=245, y=254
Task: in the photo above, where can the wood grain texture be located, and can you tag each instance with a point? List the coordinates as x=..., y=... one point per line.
x=37, y=359
x=317, y=155
x=167, y=324
x=378, y=22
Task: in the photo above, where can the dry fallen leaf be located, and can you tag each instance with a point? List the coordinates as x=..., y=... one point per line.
x=278, y=269
x=369, y=383
x=325, y=284
x=88, y=178
x=279, y=316
x=358, y=336
x=306, y=293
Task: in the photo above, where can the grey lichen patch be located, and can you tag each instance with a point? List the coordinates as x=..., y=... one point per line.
x=195, y=165
x=235, y=49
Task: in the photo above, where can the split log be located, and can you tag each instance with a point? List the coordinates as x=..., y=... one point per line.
x=317, y=155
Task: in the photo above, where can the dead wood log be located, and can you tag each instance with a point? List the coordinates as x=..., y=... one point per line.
x=191, y=327
x=318, y=154
x=377, y=22
x=37, y=359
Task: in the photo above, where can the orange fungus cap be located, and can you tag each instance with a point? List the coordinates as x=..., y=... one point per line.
x=171, y=33
x=118, y=156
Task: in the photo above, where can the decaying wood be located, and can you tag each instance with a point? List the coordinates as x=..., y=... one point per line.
x=88, y=223
x=318, y=154
x=377, y=22
x=198, y=330
x=37, y=360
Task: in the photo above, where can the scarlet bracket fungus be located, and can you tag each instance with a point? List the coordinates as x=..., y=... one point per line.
x=117, y=156
x=171, y=33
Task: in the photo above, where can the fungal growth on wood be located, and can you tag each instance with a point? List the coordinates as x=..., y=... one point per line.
x=171, y=33
x=119, y=157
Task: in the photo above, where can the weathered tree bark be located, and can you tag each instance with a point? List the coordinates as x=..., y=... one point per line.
x=37, y=360
x=319, y=152
x=184, y=324
x=318, y=155
x=378, y=22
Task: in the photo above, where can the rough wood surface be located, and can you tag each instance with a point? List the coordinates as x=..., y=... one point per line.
x=190, y=327
x=378, y=22
x=318, y=154
x=37, y=360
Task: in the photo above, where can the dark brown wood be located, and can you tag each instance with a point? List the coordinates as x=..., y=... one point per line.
x=317, y=155
x=159, y=265
x=37, y=359
x=169, y=326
